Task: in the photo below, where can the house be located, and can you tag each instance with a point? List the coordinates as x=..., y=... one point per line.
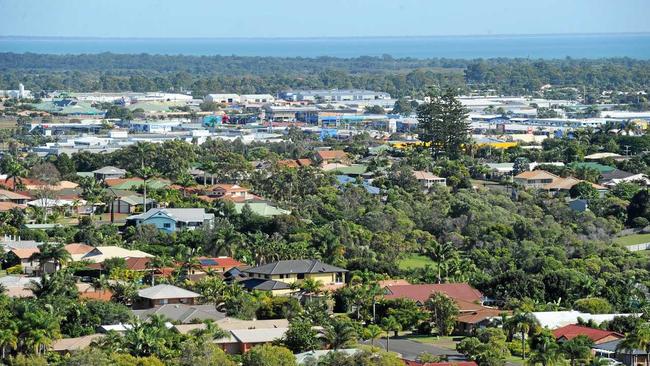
x=8, y=206
x=164, y=294
x=450, y=363
x=294, y=163
x=472, y=314
x=172, y=219
x=420, y=293
x=616, y=176
x=535, y=179
x=428, y=180
x=223, y=98
x=68, y=345
x=331, y=156
x=598, y=336
x=16, y=286
x=261, y=208
x=228, y=324
x=131, y=204
x=78, y=250
x=217, y=264
x=23, y=257
x=294, y=271
x=109, y=172
x=612, y=350
x=233, y=192
x=242, y=340
x=131, y=184
x=13, y=197
x=100, y=254
x=256, y=99
x=181, y=313
x=346, y=179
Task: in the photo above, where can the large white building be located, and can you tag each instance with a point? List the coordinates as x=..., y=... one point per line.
x=338, y=95
x=21, y=93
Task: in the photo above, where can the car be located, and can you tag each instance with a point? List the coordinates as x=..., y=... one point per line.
x=611, y=362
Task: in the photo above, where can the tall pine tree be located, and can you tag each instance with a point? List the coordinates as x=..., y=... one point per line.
x=443, y=123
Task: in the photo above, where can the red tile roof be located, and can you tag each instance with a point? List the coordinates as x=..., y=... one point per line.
x=573, y=330
x=331, y=154
x=225, y=262
x=420, y=293
x=24, y=253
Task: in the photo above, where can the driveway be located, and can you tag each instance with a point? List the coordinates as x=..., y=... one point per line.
x=410, y=349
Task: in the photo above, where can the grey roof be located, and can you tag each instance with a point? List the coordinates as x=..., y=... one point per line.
x=134, y=200
x=109, y=170
x=181, y=312
x=615, y=174
x=612, y=345
x=263, y=285
x=258, y=335
x=17, y=281
x=295, y=266
x=166, y=292
x=178, y=214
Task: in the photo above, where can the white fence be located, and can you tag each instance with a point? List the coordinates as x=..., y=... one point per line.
x=638, y=247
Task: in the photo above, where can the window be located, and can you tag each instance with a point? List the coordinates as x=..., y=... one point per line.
x=167, y=226
x=339, y=277
x=163, y=301
x=301, y=276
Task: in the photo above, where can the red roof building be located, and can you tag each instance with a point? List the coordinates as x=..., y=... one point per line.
x=599, y=336
x=459, y=363
x=420, y=293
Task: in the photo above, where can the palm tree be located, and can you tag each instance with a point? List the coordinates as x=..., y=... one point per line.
x=522, y=323
x=340, y=334
x=390, y=324
x=441, y=253
x=146, y=173
x=638, y=339
x=211, y=331
x=15, y=171
x=54, y=252
x=185, y=180
x=372, y=332
x=8, y=340
x=92, y=191
x=208, y=167
x=310, y=287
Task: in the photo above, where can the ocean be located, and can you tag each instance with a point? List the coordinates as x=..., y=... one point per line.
x=466, y=47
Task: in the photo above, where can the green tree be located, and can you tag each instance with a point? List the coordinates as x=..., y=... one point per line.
x=583, y=190
x=301, y=337
x=54, y=252
x=593, y=305
x=15, y=172
x=577, y=349
x=340, y=334
x=390, y=324
x=372, y=332
x=545, y=350
x=637, y=339
x=268, y=355
x=444, y=312
x=522, y=323
x=444, y=124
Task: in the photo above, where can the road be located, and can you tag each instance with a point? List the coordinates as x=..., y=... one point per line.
x=410, y=349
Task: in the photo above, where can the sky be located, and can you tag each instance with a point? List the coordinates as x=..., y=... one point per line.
x=320, y=18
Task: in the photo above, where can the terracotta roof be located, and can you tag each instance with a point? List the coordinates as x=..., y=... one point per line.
x=78, y=248
x=137, y=264
x=568, y=183
x=477, y=316
x=6, y=206
x=9, y=195
x=74, y=344
x=24, y=253
x=102, y=295
x=536, y=174
x=573, y=330
x=420, y=293
x=303, y=162
x=117, y=181
x=331, y=154
x=210, y=262
x=288, y=163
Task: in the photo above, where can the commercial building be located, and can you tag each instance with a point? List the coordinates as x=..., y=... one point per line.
x=326, y=95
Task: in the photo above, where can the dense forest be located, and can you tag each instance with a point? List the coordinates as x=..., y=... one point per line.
x=400, y=77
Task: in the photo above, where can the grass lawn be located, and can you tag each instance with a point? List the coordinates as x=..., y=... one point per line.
x=633, y=239
x=414, y=261
x=442, y=342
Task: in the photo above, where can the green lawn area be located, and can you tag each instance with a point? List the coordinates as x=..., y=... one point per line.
x=414, y=261
x=633, y=239
x=442, y=342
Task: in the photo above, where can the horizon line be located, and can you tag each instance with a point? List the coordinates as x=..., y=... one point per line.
x=18, y=37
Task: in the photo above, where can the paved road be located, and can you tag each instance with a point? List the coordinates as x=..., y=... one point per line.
x=410, y=349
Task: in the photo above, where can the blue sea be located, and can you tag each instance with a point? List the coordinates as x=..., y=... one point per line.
x=530, y=46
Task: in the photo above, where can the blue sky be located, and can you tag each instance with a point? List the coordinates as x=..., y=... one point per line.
x=320, y=18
